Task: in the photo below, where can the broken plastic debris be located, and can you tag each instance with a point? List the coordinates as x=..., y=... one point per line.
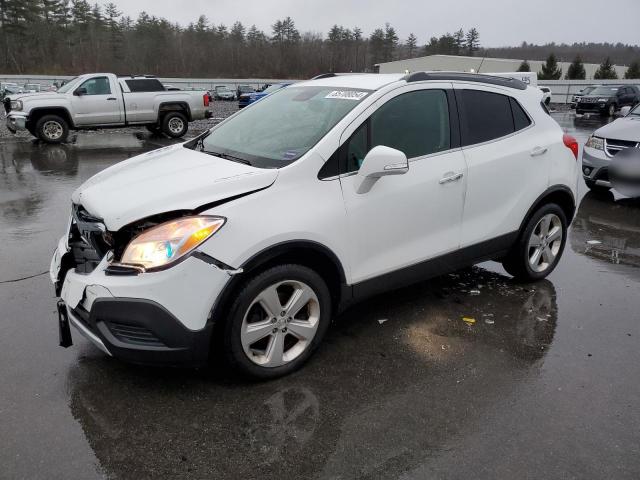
x=469, y=320
x=541, y=319
x=474, y=292
x=382, y=320
x=489, y=321
x=594, y=242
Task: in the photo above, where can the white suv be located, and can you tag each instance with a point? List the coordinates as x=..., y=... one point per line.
x=250, y=238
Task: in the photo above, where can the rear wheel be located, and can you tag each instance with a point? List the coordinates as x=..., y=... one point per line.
x=175, y=124
x=610, y=111
x=52, y=129
x=540, y=245
x=277, y=321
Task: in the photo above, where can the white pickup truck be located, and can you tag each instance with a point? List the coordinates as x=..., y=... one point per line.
x=104, y=100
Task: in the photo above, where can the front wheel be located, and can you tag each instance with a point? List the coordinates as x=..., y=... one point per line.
x=174, y=124
x=52, y=129
x=540, y=245
x=610, y=111
x=277, y=321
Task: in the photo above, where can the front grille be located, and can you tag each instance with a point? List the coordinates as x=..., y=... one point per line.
x=612, y=147
x=135, y=334
x=87, y=240
x=588, y=100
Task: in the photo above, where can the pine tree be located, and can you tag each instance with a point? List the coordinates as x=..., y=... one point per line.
x=576, y=70
x=524, y=67
x=633, y=71
x=459, y=42
x=390, y=42
x=550, y=70
x=412, y=45
x=376, y=45
x=606, y=71
x=472, y=41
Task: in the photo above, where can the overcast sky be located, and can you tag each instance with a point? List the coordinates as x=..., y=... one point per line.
x=500, y=22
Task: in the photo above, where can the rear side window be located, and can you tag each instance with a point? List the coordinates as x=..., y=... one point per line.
x=485, y=116
x=145, y=85
x=520, y=118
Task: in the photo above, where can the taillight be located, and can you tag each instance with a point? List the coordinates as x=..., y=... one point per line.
x=205, y=99
x=571, y=143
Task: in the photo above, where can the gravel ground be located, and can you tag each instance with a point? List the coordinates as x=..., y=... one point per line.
x=220, y=109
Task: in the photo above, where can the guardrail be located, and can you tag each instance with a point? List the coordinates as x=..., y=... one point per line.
x=562, y=91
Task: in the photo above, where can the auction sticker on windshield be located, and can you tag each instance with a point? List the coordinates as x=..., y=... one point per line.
x=347, y=95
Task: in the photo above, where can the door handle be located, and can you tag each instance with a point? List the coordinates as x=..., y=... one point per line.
x=451, y=177
x=538, y=151
x=111, y=98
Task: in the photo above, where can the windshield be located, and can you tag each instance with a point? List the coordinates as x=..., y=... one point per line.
x=282, y=127
x=222, y=89
x=635, y=111
x=588, y=90
x=68, y=86
x=606, y=91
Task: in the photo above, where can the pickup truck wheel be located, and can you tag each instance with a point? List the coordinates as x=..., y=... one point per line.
x=52, y=129
x=174, y=124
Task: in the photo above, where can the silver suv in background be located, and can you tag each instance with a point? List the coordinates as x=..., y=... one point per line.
x=605, y=143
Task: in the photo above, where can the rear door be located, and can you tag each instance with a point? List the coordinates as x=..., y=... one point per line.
x=508, y=163
x=99, y=105
x=405, y=219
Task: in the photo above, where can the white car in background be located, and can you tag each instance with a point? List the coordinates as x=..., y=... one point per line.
x=249, y=239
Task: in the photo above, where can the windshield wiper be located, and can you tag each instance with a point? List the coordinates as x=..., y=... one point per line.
x=226, y=156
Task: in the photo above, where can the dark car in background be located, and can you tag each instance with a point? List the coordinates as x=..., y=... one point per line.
x=242, y=89
x=249, y=98
x=607, y=99
x=580, y=94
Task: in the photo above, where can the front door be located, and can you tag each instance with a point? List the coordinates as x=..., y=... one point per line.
x=404, y=219
x=98, y=105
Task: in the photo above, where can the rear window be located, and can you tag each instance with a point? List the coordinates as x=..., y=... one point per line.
x=486, y=116
x=145, y=85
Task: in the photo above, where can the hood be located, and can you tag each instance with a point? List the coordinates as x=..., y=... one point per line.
x=627, y=128
x=39, y=95
x=588, y=95
x=165, y=180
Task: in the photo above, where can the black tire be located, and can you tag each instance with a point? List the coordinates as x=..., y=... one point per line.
x=52, y=129
x=175, y=124
x=591, y=185
x=517, y=261
x=609, y=112
x=233, y=349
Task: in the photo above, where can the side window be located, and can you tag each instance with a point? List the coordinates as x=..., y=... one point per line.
x=520, y=118
x=484, y=116
x=416, y=123
x=145, y=85
x=97, y=86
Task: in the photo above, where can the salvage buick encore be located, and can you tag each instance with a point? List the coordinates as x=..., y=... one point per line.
x=246, y=240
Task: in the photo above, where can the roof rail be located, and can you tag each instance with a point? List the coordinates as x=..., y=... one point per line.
x=466, y=77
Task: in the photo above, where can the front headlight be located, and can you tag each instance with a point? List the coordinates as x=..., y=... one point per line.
x=595, y=142
x=166, y=243
x=16, y=104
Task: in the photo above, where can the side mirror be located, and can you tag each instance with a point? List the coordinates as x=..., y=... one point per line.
x=80, y=91
x=380, y=162
x=624, y=111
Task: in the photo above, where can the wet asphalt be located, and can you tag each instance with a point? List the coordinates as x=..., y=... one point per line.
x=544, y=384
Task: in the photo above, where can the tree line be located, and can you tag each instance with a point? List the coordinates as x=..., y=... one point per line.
x=606, y=71
x=67, y=37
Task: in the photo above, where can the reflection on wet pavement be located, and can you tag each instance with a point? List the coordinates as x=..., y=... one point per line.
x=540, y=381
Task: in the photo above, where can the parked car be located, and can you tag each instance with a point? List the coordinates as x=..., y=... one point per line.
x=31, y=88
x=242, y=89
x=546, y=95
x=604, y=144
x=580, y=94
x=103, y=100
x=9, y=89
x=222, y=92
x=249, y=98
x=607, y=99
x=248, y=239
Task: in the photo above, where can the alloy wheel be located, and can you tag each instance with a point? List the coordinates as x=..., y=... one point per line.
x=52, y=130
x=176, y=125
x=545, y=243
x=280, y=323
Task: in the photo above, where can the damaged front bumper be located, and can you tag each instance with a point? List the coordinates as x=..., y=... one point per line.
x=16, y=121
